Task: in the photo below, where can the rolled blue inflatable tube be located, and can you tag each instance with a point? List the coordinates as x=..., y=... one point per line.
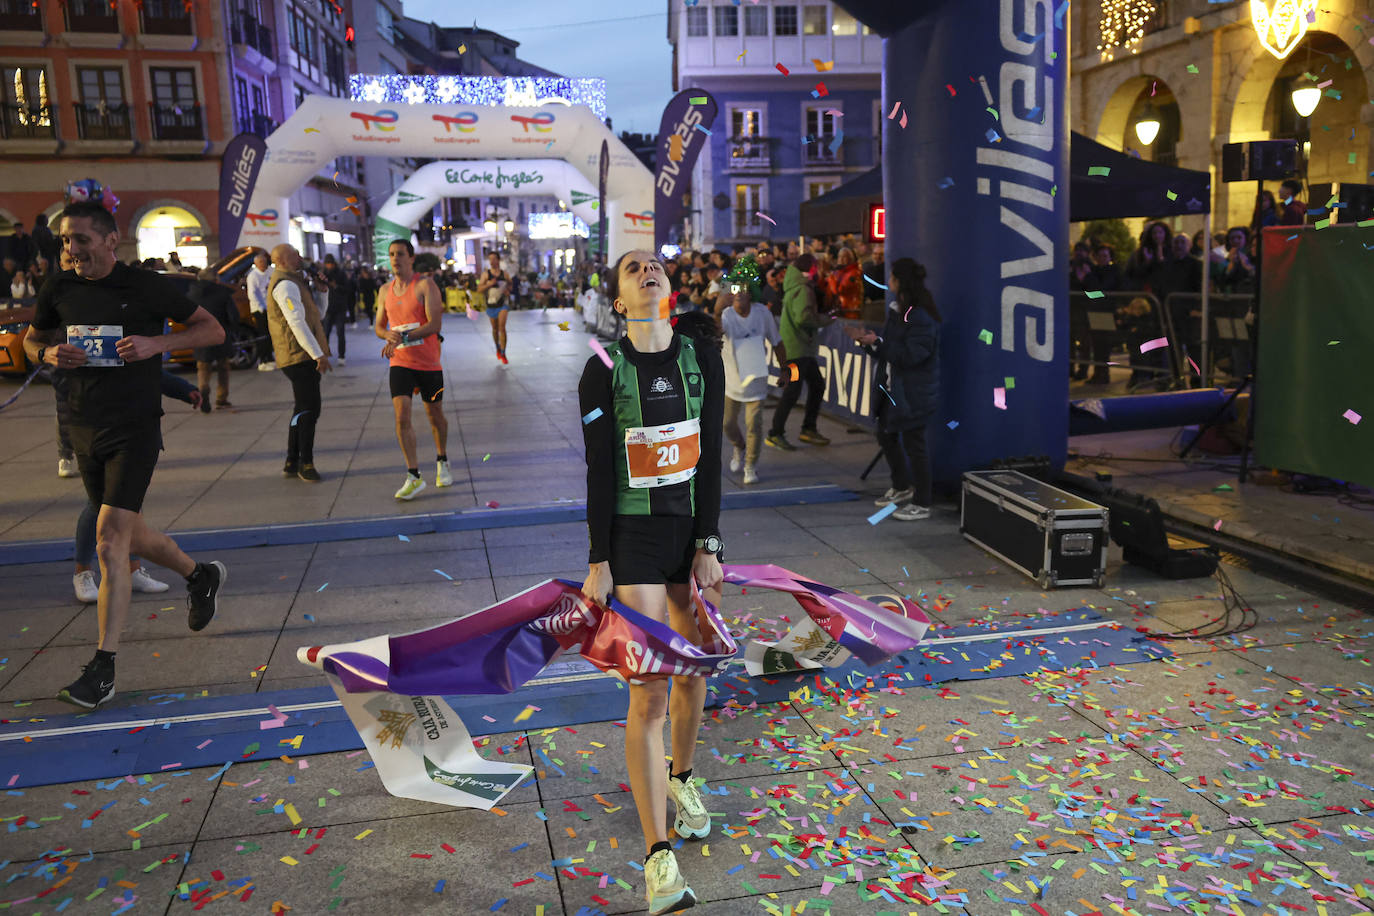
x=1089, y=416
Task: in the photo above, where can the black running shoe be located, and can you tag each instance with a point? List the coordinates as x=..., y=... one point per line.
x=290, y=468
x=202, y=593
x=95, y=686
x=308, y=472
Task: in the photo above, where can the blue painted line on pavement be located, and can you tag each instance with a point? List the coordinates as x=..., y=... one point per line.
x=13, y=553
x=569, y=692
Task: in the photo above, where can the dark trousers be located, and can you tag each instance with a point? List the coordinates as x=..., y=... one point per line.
x=264, y=338
x=305, y=389
x=906, y=455
x=808, y=373
x=64, y=415
x=335, y=316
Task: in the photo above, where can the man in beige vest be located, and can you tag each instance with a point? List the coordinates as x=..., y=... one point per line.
x=302, y=354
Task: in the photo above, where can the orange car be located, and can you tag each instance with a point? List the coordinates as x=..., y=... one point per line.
x=14, y=322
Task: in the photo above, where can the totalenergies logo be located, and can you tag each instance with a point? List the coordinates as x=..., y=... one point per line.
x=542, y=123
x=645, y=218
x=268, y=218
x=463, y=121
x=385, y=119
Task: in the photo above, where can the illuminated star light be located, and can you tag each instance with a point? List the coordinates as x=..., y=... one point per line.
x=528, y=92
x=413, y=94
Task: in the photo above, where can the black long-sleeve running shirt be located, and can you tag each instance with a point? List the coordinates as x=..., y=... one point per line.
x=599, y=437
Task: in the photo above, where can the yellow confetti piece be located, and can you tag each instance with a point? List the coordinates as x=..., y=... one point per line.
x=291, y=813
x=289, y=860
x=524, y=714
x=312, y=130
x=363, y=834
x=706, y=850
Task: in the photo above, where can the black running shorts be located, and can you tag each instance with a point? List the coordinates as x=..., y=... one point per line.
x=651, y=549
x=117, y=463
x=406, y=381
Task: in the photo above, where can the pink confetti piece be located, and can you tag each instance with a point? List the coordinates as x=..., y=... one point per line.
x=1155, y=344
x=170, y=766
x=999, y=398
x=13, y=780
x=1353, y=417
x=1195, y=368
x=201, y=746
x=601, y=352
x=761, y=215
x=473, y=313
x=893, y=113
x=1216, y=526
x=903, y=121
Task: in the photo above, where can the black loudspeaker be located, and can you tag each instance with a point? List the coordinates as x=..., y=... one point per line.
x=1259, y=160
x=1353, y=203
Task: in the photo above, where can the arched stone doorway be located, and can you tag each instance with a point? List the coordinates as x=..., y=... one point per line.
x=169, y=225
x=1135, y=100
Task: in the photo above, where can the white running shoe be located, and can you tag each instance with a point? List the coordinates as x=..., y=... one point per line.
x=143, y=582
x=736, y=459
x=267, y=367
x=894, y=496
x=87, y=592
x=66, y=467
x=911, y=513
x=412, y=486
x=665, y=887
x=750, y=475
x=693, y=821
x=443, y=477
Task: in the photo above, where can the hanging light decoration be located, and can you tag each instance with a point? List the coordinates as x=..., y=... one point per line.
x=1123, y=25
x=1305, y=99
x=1147, y=128
x=1282, y=27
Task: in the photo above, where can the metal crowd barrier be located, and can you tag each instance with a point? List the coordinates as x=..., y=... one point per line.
x=1229, y=339
x=1099, y=322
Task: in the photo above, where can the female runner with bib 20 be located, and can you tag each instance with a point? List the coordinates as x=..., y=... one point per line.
x=653, y=445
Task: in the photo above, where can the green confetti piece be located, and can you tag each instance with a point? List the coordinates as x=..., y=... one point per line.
x=1192, y=68
x=1093, y=293
x=1103, y=170
x=698, y=100
x=1009, y=382
x=1322, y=223
x=1171, y=195
x=985, y=336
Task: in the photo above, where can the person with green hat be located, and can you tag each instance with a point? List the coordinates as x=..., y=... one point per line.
x=747, y=324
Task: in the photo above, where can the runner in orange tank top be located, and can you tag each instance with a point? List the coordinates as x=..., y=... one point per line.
x=409, y=313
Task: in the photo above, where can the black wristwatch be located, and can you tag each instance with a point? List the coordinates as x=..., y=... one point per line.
x=711, y=544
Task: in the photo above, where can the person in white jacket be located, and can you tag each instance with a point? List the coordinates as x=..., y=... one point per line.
x=750, y=329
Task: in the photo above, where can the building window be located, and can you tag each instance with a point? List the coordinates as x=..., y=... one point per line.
x=815, y=187
x=821, y=126
x=91, y=16
x=260, y=101
x=745, y=122
x=101, y=114
x=299, y=95
x=748, y=203
x=697, y=26
x=335, y=69
x=727, y=21
x=175, y=107
x=100, y=84
x=27, y=108
x=784, y=20
x=165, y=17
x=16, y=15
x=331, y=11
x=385, y=23
x=842, y=23
x=756, y=21
x=813, y=20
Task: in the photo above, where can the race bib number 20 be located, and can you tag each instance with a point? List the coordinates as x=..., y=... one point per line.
x=658, y=456
x=98, y=340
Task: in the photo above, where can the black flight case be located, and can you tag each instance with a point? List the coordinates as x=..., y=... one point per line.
x=1049, y=534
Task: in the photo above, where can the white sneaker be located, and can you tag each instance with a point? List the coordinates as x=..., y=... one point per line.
x=143, y=582
x=267, y=367
x=911, y=513
x=443, y=477
x=736, y=459
x=66, y=467
x=87, y=592
x=665, y=887
x=341, y=361
x=692, y=821
x=750, y=475
x=894, y=496
x=412, y=486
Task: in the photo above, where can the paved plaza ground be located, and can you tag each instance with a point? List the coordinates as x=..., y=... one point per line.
x=1232, y=778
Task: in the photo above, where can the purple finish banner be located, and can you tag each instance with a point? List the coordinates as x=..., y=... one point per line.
x=681, y=135
x=238, y=173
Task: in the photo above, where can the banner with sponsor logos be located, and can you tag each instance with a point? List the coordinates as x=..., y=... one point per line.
x=682, y=134
x=395, y=683
x=238, y=174
x=323, y=128
x=435, y=181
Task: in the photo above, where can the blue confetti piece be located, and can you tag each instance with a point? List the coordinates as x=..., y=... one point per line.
x=953, y=424
x=498, y=904
x=444, y=574
x=835, y=144
x=874, y=282
x=520, y=847
x=702, y=129
x=322, y=588
x=993, y=136
x=439, y=888
x=882, y=513
x=310, y=618
x=945, y=183
x=1059, y=12
x=596, y=412
x=402, y=537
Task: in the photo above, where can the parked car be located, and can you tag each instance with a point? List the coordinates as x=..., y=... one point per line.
x=15, y=315
x=232, y=270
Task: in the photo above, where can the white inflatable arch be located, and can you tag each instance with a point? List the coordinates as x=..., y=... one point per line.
x=482, y=178
x=323, y=128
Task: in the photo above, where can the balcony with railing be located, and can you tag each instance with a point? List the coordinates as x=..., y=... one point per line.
x=27, y=122
x=749, y=225
x=821, y=152
x=259, y=124
x=250, y=33
x=750, y=153
x=102, y=121
x=165, y=17
x=91, y=16
x=20, y=16
x=176, y=121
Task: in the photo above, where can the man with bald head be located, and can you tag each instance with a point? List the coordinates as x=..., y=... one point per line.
x=301, y=349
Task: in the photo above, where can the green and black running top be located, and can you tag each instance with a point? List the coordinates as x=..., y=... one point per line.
x=652, y=429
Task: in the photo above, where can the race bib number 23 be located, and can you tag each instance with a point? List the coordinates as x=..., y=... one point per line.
x=98, y=340
x=658, y=456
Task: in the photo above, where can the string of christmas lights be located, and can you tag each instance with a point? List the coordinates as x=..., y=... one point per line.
x=1123, y=25
x=516, y=91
